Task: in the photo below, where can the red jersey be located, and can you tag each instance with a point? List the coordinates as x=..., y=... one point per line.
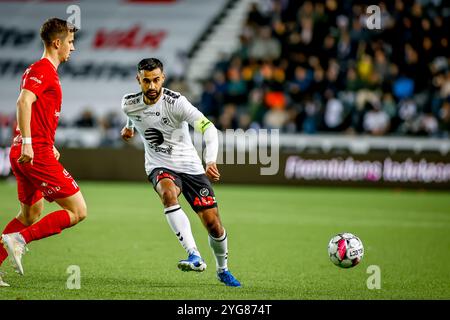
x=42, y=79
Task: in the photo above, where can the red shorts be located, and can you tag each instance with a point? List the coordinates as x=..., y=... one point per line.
x=45, y=178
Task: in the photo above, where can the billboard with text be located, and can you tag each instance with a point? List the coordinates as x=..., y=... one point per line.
x=114, y=36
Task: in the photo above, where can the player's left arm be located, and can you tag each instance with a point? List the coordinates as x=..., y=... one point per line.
x=201, y=124
x=209, y=132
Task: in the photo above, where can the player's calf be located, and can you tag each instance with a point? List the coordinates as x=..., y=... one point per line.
x=30, y=214
x=211, y=220
x=218, y=241
x=75, y=207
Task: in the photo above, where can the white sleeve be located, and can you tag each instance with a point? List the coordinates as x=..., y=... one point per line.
x=212, y=144
x=187, y=112
x=129, y=124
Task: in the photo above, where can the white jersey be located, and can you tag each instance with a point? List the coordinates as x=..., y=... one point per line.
x=164, y=130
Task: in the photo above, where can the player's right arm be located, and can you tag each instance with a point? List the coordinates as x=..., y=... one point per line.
x=127, y=132
x=24, y=103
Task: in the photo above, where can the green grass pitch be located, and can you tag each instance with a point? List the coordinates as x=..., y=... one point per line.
x=278, y=240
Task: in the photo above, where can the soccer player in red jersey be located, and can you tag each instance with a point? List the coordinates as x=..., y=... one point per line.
x=33, y=156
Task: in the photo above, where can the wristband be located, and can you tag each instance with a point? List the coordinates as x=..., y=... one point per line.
x=26, y=140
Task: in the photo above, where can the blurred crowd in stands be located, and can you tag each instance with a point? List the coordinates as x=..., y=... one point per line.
x=315, y=67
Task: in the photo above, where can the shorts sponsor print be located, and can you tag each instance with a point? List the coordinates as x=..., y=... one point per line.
x=196, y=188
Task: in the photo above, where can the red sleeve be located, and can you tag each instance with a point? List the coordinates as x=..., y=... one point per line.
x=34, y=80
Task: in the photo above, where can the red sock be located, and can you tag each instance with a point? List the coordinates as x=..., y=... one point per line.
x=51, y=224
x=13, y=226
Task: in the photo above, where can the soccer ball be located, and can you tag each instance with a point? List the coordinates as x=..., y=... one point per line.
x=345, y=250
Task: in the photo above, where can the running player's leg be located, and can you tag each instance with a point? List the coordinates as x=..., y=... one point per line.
x=56, y=184
x=75, y=206
x=217, y=236
x=31, y=204
x=176, y=217
x=165, y=184
x=27, y=216
x=198, y=191
x=73, y=211
x=218, y=241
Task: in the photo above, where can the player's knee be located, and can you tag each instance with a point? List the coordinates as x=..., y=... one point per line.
x=82, y=212
x=169, y=197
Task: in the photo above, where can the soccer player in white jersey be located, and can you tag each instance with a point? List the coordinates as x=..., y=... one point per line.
x=161, y=117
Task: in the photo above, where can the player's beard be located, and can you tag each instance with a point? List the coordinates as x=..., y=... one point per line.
x=152, y=95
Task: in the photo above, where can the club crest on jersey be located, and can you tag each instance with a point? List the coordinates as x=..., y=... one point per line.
x=165, y=120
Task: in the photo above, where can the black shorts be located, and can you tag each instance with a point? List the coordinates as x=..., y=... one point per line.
x=196, y=188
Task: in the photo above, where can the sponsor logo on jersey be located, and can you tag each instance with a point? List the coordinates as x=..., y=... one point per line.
x=155, y=139
x=169, y=100
x=171, y=93
x=132, y=101
x=152, y=113
x=36, y=79
x=154, y=136
x=167, y=150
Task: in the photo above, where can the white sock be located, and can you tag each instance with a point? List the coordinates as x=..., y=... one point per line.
x=220, y=249
x=180, y=225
